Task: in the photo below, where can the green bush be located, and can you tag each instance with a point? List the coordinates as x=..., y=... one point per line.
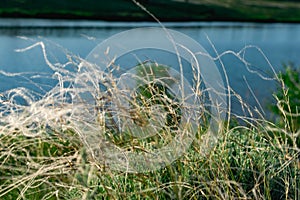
x=288, y=102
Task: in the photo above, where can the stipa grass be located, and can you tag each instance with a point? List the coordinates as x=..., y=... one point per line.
x=44, y=157
x=246, y=164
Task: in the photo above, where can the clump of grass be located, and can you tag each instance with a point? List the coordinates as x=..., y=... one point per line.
x=44, y=155
x=246, y=163
x=36, y=167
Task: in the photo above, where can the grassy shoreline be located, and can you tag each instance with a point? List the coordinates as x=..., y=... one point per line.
x=50, y=159
x=47, y=158
x=164, y=10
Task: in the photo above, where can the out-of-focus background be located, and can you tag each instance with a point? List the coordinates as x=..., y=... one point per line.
x=165, y=10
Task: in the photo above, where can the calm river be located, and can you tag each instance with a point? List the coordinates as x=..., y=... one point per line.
x=280, y=43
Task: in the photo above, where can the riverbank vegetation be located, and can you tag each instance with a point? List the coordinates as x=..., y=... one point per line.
x=257, y=160
x=165, y=10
